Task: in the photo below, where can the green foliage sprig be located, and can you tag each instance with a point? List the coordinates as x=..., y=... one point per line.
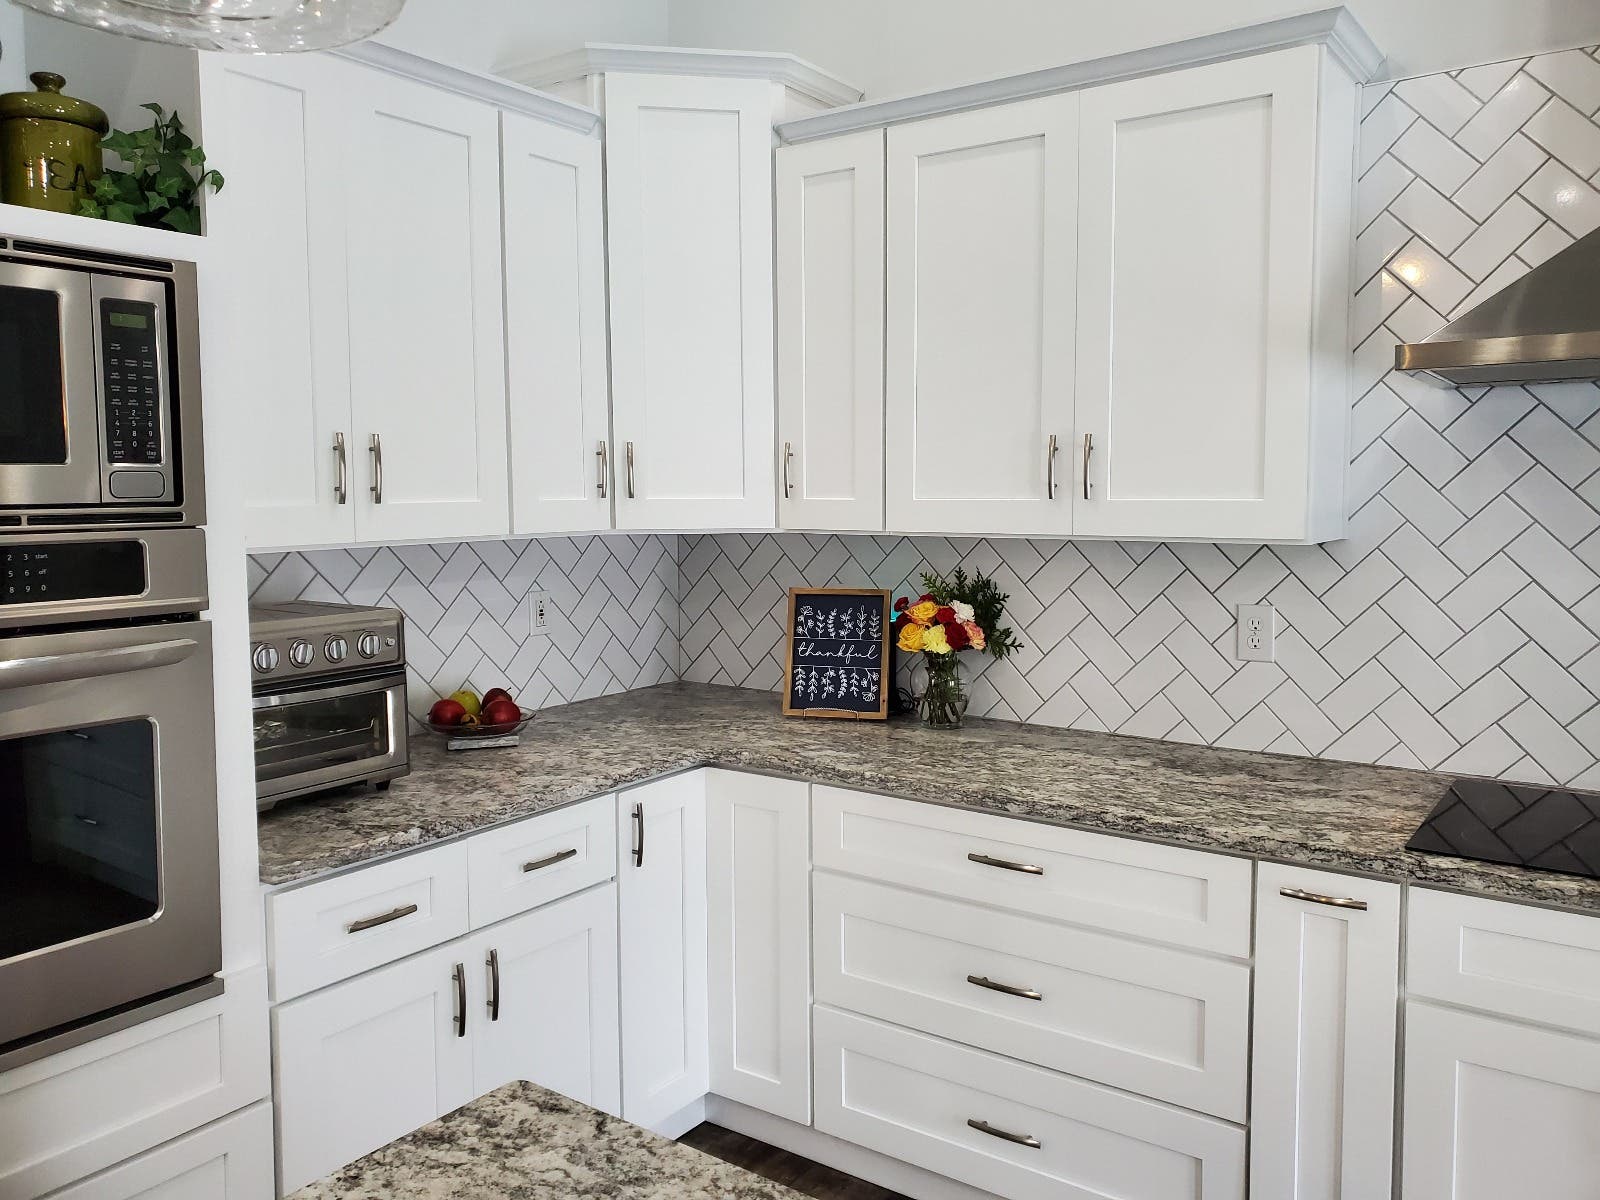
x=166, y=174
x=988, y=605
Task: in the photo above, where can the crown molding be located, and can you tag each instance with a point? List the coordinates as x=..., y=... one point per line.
x=596, y=58
x=1334, y=28
x=502, y=93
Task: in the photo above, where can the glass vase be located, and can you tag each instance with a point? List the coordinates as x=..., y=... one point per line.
x=942, y=703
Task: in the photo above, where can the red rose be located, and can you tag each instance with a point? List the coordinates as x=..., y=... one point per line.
x=900, y=622
x=925, y=597
x=956, y=634
x=946, y=615
x=901, y=604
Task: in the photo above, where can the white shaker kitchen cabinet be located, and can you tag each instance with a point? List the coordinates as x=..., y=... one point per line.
x=979, y=366
x=549, y=1000
x=1494, y=1109
x=555, y=282
x=1213, y=281
x=689, y=223
x=661, y=903
x=759, y=916
x=427, y=351
x=230, y=1159
x=830, y=333
x=365, y=1061
x=280, y=224
x=1326, y=986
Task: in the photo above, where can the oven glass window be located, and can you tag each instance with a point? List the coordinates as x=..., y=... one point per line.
x=303, y=735
x=78, y=850
x=33, y=411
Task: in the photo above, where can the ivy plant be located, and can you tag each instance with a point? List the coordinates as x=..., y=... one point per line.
x=165, y=176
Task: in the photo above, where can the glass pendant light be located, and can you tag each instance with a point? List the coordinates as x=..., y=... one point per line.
x=241, y=26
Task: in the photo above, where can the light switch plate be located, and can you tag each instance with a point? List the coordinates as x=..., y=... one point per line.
x=1258, y=632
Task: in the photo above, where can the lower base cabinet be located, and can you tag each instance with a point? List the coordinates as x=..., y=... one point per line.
x=230, y=1159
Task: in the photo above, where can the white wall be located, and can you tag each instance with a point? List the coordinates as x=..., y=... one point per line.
x=888, y=47
x=484, y=34
x=13, y=71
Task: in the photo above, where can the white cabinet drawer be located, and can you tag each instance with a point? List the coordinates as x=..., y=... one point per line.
x=1160, y=1022
x=349, y=924
x=1507, y=958
x=543, y=858
x=914, y=1097
x=1185, y=897
x=230, y=1159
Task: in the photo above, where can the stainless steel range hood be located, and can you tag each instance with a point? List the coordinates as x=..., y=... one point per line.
x=1542, y=328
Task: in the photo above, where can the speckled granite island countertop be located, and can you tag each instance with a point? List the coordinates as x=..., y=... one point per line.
x=525, y=1142
x=1337, y=815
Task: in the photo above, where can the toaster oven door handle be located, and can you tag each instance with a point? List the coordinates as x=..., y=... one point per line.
x=91, y=664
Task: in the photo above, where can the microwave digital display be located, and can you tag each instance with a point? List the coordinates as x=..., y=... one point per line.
x=128, y=320
x=37, y=572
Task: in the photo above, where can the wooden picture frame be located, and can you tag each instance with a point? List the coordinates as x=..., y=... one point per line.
x=799, y=655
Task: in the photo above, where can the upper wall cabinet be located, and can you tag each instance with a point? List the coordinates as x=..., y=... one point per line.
x=1213, y=286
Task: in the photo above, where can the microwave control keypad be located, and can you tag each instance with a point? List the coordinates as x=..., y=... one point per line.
x=128, y=332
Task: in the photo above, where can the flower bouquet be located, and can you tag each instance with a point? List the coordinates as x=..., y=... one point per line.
x=954, y=613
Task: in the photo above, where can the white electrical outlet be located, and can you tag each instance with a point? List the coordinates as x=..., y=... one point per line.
x=1258, y=632
x=540, y=615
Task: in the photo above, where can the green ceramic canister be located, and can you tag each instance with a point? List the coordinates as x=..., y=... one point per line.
x=49, y=146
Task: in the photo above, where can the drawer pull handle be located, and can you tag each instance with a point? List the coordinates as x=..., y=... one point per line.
x=638, y=835
x=540, y=863
x=1331, y=901
x=1005, y=864
x=494, y=985
x=459, y=974
x=1005, y=1135
x=394, y=914
x=985, y=982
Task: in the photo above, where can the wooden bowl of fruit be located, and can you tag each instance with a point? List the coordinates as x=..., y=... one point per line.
x=465, y=714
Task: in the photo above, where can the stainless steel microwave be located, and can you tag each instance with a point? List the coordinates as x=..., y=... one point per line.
x=100, y=407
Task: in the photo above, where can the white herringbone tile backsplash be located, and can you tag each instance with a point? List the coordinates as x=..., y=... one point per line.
x=1456, y=627
x=613, y=611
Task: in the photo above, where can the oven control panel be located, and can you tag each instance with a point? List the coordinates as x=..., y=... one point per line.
x=42, y=572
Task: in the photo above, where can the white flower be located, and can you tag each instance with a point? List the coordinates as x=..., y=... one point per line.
x=963, y=610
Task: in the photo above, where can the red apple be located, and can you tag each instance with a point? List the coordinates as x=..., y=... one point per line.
x=447, y=712
x=494, y=694
x=501, y=712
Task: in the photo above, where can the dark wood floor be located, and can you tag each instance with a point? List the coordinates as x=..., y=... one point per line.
x=803, y=1175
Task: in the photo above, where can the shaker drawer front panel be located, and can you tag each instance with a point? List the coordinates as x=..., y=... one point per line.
x=1185, y=897
x=1015, y=1130
x=541, y=859
x=1525, y=962
x=1159, y=1022
x=349, y=924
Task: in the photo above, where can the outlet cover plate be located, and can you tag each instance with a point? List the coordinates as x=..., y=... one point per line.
x=541, y=616
x=1258, y=633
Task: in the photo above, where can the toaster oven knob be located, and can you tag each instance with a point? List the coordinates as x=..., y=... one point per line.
x=265, y=658
x=335, y=648
x=368, y=645
x=301, y=652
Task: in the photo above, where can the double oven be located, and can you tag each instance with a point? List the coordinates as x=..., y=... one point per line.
x=109, y=898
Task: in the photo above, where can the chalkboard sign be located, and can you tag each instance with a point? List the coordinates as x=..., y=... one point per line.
x=838, y=660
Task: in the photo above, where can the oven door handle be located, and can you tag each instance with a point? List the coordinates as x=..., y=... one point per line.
x=91, y=664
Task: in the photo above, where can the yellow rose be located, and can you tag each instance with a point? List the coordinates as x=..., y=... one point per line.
x=922, y=613
x=934, y=641
x=911, y=637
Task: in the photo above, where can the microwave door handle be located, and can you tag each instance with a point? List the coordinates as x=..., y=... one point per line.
x=91, y=664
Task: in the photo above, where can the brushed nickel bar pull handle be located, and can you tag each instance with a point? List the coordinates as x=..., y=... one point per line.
x=1005, y=1135
x=375, y=448
x=1005, y=864
x=788, y=457
x=985, y=982
x=494, y=985
x=600, y=484
x=1088, y=449
x=92, y=664
x=341, y=486
x=1050, y=468
x=541, y=863
x=638, y=835
x=405, y=910
x=1316, y=898
x=460, y=976
x=630, y=470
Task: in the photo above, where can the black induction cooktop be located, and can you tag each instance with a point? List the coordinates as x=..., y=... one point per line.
x=1544, y=828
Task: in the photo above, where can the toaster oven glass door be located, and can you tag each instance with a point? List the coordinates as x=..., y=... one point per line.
x=324, y=737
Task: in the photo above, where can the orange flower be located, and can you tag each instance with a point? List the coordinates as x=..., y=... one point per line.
x=923, y=613
x=974, y=634
x=910, y=638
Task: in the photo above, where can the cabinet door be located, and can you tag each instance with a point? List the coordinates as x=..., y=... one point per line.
x=556, y=327
x=365, y=1061
x=550, y=1014
x=1322, y=1125
x=427, y=350
x=230, y=1159
x=1196, y=222
x=1496, y=1109
x=689, y=218
x=278, y=125
x=759, y=906
x=661, y=898
x=830, y=333
x=980, y=319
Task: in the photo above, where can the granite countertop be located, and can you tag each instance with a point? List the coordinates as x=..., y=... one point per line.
x=1338, y=815
x=527, y=1142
